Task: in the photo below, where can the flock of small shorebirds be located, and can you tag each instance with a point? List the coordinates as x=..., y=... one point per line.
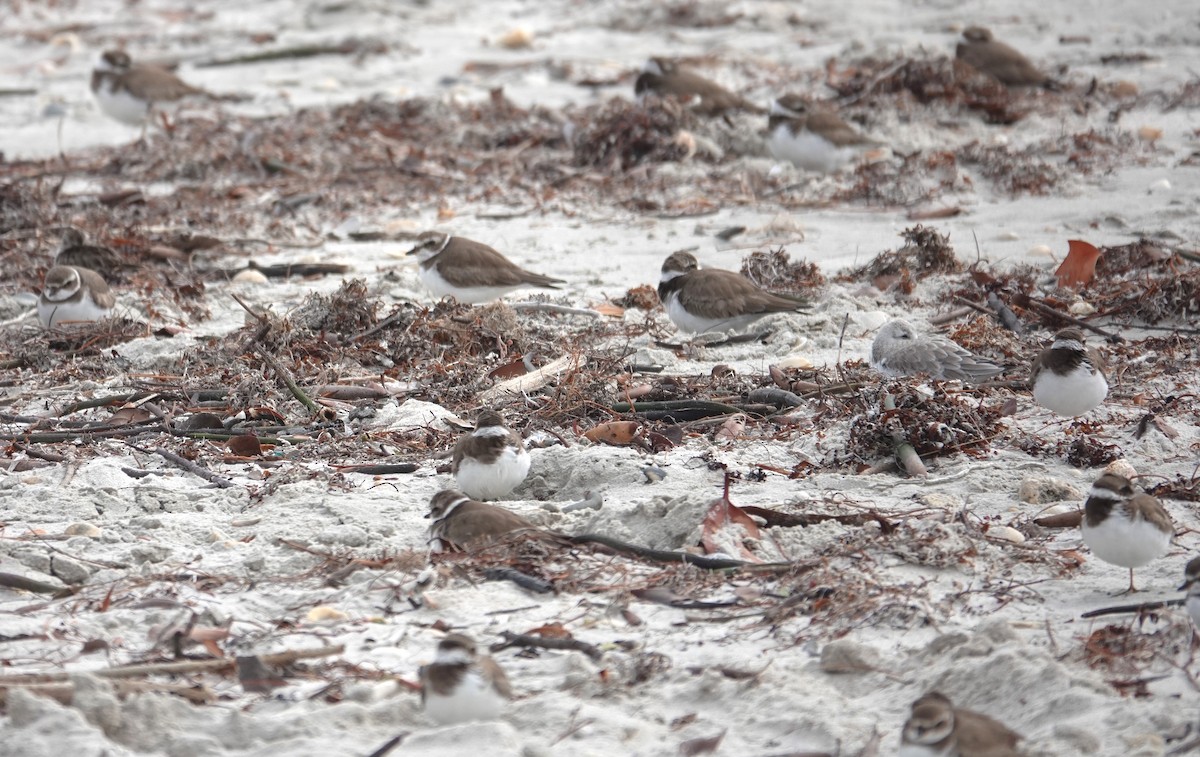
x=1121, y=525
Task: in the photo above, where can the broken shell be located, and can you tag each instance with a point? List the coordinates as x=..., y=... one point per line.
x=795, y=361
x=250, y=276
x=1007, y=533
x=516, y=39
x=1124, y=88
x=322, y=613
x=83, y=529
x=1082, y=307
x=653, y=475
x=1041, y=250
x=1150, y=134
x=1121, y=468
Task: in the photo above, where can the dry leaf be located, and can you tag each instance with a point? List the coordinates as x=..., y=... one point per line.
x=245, y=445
x=617, y=433
x=701, y=746
x=722, y=515
x=732, y=428
x=128, y=416
x=1079, y=267
x=609, y=309
x=550, y=631
x=518, y=367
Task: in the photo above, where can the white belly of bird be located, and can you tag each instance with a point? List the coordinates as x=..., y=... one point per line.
x=493, y=480
x=920, y=750
x=121, y=105
x=440, y=288
x=1129, y=544
x=54, y=314
x=694, y=324
x=1074, y=394
x=807, y=150
x=474, y=699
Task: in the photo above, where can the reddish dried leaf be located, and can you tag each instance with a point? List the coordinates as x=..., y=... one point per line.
x=701, y=746
x=128, y=416
x=1080, y=265
x=609, y=309
x=509, y=370
x=617, y=433
x=245, y=446
x=550, y=631
x=722, y=515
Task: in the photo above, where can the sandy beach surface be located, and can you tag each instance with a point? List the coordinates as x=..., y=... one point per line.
x=513, y=123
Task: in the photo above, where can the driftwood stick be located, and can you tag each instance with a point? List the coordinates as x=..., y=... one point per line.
x=193, y=468
x=906, y=454
x=849, y=386
x=65, y=692
x=525, y=640
x=350, y=47
x=547, y=307
x=223, y=664
x=699, y=408
x=112, y=399
x=14, y=581
x=1008, y=319
x=1138, y=608
x=286, y=376
x=531, y=381
x=953, y=315
x=1045, y=309
x=389, y=745
x=80, y=434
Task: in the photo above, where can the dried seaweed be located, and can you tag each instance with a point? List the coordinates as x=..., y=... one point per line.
x=925, y=252
x=943, y=424
x=939, y=79
x=624, y=135
x=774, y=270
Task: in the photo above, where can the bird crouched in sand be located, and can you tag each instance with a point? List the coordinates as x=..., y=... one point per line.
x=936, y=728
x=470, y=271
x=1001, y=62
x=666, y=78
x=490, y=461
x=71, y=294
x=899, y=350
x=461, y=685
x=698, y=300
x=812, y=137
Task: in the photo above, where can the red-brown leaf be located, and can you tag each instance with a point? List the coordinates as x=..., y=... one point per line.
x=1080, y=265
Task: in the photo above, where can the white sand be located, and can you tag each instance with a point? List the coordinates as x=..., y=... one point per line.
x=1019, y=659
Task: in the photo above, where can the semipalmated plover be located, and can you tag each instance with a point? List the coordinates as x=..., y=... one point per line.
x=707, y=299
x=71, y=295
x=1123, y=526
x=469, y=271
x=997, y=59
x=898, y=350
x=461, y=685
x=1067, y=377
x=73, y=250
x=460, y=523
x=490, y=461
x=936, y=728
x=126, y=91
x=811, y=137
x=1191, y=584
x=665, y=78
